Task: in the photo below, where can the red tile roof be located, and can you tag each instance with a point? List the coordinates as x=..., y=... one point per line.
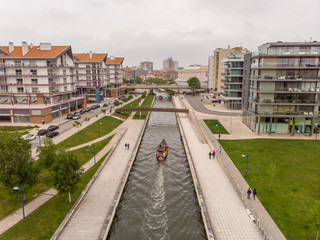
x=34, y=52
x=85, y=57
x=116, y=60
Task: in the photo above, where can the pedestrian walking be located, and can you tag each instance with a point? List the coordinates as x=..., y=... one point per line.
x=213, y=154
x=210, y=155
x=249, y=193
x=42, y=121
x=254, y=193
x=125, y=146
x=128, y=146
x=220, y=149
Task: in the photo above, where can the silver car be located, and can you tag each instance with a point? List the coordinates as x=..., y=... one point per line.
x=30, y=137
x=76, y=116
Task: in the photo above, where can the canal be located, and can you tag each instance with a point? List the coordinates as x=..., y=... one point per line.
x=159, y=200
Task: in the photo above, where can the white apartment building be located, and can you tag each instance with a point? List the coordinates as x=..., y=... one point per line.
x=115, y=76
x=198, y=71
x=91, y=74
x=37, y=83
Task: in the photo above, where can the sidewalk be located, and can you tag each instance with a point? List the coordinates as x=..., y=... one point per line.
x=227, y=213
x=89, y=218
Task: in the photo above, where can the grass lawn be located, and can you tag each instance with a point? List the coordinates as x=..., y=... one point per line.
x=212, y=125
x=11, y=202
x=12, y=131
x=296, y=185
x=132, y=104
x=146, y=104
x=43, y=222
x=91, y=132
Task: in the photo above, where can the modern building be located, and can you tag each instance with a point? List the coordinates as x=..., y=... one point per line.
x=284, y=88
x=114, y=76
x=170, y=65
x=147, y=65
x=91, y=74
x=198, y=71
x=210, y=72
x=233, y=80
x=217, y=65
x=37, y=83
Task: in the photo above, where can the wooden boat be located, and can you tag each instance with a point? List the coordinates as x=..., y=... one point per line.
x=162, y=151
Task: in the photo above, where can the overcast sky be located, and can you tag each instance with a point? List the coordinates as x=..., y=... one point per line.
x=139, y=30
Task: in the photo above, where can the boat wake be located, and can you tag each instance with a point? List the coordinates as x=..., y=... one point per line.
x=155, y=221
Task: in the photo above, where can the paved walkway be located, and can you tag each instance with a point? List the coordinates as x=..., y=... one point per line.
x=89, y=217
x=227, y=213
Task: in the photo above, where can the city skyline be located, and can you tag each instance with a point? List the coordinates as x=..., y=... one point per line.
x=189, y=31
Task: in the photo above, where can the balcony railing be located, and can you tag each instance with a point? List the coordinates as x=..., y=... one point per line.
x=34, y=66
x=273, y=78
x=278, y=65
x=299, y=113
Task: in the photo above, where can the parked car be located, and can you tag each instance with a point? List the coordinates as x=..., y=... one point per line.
x=93, y=107
x=70, y=116
x=30, y=137
x=82, y=111
x=76, y=113
x=42, y=132
x=97, y=105
x=105, y=105
x=76, y=116
x=88, y=109
x=111, y=102
x=52, y=134
x=52, y=128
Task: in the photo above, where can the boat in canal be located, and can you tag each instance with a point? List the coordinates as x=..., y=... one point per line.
x=162, y=151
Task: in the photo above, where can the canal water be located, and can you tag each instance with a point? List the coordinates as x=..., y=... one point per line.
x=159, y=200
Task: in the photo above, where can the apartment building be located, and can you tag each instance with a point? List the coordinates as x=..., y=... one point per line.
x=170, y=65
x=91, y=75
x=37, y=83
x=198, y=71
x=128, y=73
x=217, y=65
x=115, y=75
x=232, y=81
x=284, y=88
x=147, y=65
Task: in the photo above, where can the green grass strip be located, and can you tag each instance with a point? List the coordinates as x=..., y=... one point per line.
x=295, y=165
x=212, y=125
x=146, y=104
x=91, y=132
x=132, y=104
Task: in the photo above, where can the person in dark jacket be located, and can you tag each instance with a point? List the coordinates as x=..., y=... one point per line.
x=249, y=193
x=254, y=193
x=209, y=155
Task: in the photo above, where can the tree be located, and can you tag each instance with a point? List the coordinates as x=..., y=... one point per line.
x=67, y=173
x=138, y=80
x=87, y=119
x=126, y=81
x=194, y=82
x=314, y=217
x=103, y=110
x=77, y=124
x=17, y=167
x=47, y=153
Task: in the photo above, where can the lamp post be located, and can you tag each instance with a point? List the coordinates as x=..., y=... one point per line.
x=20, y=189
x=218, y=125
x=99, y=127
x=39, y=140
x=94, y=153
x=316, y=130
x=246, y=156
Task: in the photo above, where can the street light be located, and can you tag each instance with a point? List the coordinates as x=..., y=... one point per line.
x=94, y=153
x=218, y=125
x=99, y=127
x=246, y=156
x=20, y=189
x=316, y=130
x=39, y=140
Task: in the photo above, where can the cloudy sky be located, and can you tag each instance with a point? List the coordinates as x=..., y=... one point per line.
x=139, y=30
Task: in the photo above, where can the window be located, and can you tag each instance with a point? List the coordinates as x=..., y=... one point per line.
x=20, y=90
x=19, y=81
x=35, y=89
x=33, y=72
x=64, y=80
x=88, y=78
x=19, y=72
x=32, y=63
x=88, y=72
x=88, y=83
x=64, y=72
x=50, y=72
x=17, y=63
x=65, y=88
x=50, y=80
x=34, y=81
x=87, y=66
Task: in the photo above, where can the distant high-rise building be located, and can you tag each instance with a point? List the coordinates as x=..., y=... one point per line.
x=210, y=73
x=170, y=65
x=147, y=65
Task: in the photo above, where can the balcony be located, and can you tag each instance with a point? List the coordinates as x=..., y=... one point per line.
x=283, y=78
x=283, y=101
x=287, y=113
x=284, y=66
x=34, y=66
